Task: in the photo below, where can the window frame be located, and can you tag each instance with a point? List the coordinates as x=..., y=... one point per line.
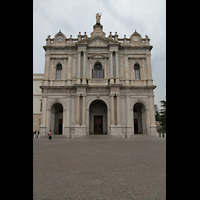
x=58, y=72
x=137, y=71
x=98, y=72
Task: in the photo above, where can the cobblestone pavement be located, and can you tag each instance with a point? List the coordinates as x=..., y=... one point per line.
x=99, y=168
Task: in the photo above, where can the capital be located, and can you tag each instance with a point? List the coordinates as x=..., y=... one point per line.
x=84, y=95
x=112, y=94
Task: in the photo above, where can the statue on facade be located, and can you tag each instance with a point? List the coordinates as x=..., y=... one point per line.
x=98, y=17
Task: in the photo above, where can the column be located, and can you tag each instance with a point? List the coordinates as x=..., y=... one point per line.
x=67, y=110
x=69, y=69
x=83, y=110
x=129, y=123
x=44, y=101
x=111, y=68
x=153, y=127
x=51, y=72
x=90, y=71
x=79, y=68
x=111, y=65
x=112, y=108
x=105, y=70
x=46, y=73
x=149, y=72
x=78, y=109
x=117, y=72
x=126, y=70
x=66, y=114
x=90, y=68
x=117, y=68
x=84, y=67
x=64, y=71
x=118, y=110
x=151, y=106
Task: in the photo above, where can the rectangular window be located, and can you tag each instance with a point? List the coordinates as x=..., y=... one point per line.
x=137, y=74
x=98, y=74
x=58, y=74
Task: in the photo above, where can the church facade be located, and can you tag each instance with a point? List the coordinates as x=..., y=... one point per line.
x=97, y=85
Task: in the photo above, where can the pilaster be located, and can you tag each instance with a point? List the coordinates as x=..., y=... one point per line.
x=43, y=117
x=111, y=68
x=79, y=68
x=67, y=116
x=117, y=67
x=129, y=124
x=69, y=69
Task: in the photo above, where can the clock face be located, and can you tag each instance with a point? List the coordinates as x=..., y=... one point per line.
x=60, y=38
x=135, y=38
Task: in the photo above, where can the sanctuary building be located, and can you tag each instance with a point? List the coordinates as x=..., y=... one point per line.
x=95, y=85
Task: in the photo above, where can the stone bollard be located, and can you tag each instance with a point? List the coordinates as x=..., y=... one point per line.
x=38, y=135
x=34, y=136
x=164, y=135
x=122, y=135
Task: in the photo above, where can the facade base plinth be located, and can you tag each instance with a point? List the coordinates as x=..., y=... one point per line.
x=116, y=130
x=67, y=132
x=129, y=132
x=153, y=131
x=80, y=131
x=43, y=131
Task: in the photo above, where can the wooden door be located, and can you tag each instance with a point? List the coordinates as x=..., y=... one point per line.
x=98, y=124
x=136, y=126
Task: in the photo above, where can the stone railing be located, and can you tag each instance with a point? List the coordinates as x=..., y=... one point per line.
x=98, y=81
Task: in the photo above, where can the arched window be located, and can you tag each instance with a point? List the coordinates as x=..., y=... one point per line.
x=58, y=72
x=137, y=71
x=98, y=72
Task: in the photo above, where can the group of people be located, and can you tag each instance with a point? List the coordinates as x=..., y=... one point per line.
x=36, y=134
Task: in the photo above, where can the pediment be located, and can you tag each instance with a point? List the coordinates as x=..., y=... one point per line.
x=98, y=56
x=98, y=43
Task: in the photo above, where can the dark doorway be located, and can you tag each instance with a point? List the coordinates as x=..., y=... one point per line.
x=60, y=126
x=135, y=126
x=56, y=119
x=98, y=125
x=98, y=121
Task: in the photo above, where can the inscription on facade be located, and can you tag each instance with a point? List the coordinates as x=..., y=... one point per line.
x=98, y=90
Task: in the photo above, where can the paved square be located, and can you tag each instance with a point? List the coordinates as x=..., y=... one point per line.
x=99, y=168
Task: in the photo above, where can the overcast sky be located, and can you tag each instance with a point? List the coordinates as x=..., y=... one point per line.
x=148, y=17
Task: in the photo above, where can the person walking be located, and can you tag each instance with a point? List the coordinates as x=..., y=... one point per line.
x=34, y=134
x=38, y=135
x=50, y=135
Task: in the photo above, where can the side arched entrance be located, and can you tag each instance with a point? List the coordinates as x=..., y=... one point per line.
x=56, y=119
x=98, y=120
x=139, y=119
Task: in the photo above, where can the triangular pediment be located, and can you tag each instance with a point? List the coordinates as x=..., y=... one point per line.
x=98, y=56
x=97, y=41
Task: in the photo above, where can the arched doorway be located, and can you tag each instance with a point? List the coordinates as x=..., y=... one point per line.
x=139, y=119
x=98, y=118
x=56, y=119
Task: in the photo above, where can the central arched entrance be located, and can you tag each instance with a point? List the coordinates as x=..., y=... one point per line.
x=56, y=119
x=98, y=118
